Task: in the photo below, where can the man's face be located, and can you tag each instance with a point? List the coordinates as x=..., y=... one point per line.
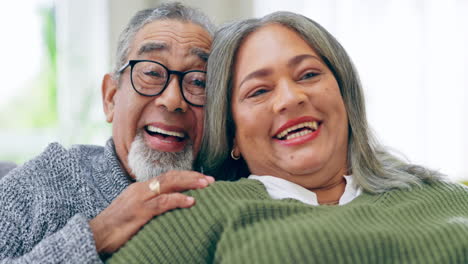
x=165, y=124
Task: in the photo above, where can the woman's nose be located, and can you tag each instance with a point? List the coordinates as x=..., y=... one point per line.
x=288, y=96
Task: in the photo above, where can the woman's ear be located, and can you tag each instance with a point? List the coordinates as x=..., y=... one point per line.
x=109, y=88
x=235, y=152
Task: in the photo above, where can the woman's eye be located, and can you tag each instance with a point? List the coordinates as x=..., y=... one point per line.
x=258, y=92
x=308, y=75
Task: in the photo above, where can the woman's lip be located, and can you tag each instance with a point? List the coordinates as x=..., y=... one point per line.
x=293, y=122
x=301, y=139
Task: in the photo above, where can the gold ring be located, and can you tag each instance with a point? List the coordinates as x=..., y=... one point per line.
x=155, y=187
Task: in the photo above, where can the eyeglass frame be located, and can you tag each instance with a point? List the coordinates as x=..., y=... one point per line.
x=180, y=74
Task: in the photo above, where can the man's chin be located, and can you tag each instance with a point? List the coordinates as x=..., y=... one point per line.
x=146, y=162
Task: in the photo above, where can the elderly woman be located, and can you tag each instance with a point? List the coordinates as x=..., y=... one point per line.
x=284, y=100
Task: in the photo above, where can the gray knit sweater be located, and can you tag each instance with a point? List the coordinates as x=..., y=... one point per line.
x=46, y=204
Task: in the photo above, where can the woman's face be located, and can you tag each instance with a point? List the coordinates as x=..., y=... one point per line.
x=290, y=118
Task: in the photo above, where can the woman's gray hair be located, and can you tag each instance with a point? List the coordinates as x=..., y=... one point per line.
x=374, y=168
x=166, y=11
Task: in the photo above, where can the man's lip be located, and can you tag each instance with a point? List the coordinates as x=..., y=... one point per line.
x=168, y=128
x=164, y=143
x=293, y=122
x=160, y=143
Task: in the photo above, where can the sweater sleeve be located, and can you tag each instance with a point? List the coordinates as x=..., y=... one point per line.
x=37, y=225
x=180, y=236
x=74, y=243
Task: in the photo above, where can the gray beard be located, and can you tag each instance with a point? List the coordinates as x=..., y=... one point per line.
x=146, y=163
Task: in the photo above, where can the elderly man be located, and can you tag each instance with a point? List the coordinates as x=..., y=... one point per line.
x=76, y=205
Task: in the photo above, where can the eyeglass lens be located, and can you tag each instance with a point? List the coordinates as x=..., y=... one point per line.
x=150, y=78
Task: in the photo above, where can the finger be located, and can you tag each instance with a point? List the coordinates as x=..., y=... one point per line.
x=179, y=181
x=169, y=182
x=210, y=179
x=166, y=202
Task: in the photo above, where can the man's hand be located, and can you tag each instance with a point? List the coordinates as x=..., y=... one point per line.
x=137, y=204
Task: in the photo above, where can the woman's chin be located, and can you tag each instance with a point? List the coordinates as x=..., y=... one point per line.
x=305, y=161
x=302, y=168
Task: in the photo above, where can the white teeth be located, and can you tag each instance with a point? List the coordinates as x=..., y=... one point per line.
x=298, y=134
x=312, y=125
x=165, y=132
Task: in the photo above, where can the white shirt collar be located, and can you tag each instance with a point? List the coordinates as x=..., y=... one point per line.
x=279, y=188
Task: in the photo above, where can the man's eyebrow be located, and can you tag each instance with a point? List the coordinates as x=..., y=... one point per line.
x=299, y=58
x=152, y=46
x=202, y=54
x=257, y=74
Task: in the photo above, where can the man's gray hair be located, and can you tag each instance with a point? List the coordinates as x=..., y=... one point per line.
x=374, y=168
x=166, y=11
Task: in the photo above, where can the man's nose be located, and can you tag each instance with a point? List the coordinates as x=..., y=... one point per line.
x=172, y=98
x=288, y=95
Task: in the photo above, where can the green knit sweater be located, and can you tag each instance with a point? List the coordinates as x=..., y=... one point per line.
x=237, y=222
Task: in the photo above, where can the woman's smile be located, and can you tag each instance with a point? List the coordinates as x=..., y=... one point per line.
x=298, y=131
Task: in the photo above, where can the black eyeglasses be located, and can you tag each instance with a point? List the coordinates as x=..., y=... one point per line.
x=150, y=78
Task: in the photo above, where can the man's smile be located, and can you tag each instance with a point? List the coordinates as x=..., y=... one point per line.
x=156, y=131
x=164, y=137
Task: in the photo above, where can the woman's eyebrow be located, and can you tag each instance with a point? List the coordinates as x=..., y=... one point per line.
x=256, y=74
x=299, y=58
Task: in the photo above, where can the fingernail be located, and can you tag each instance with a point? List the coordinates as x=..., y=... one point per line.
x=210, y=179
x=203, y=182
x=190, y=200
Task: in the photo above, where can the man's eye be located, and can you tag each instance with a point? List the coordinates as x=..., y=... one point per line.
x=195, y=80
x=199, y=83
x=308, y=75
x=153, y=74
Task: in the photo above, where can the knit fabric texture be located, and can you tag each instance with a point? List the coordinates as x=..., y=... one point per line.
x=46, y=204
x=6, y=167
x=238, y=222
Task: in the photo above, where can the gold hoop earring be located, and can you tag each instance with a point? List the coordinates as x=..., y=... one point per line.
x=233, y=156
